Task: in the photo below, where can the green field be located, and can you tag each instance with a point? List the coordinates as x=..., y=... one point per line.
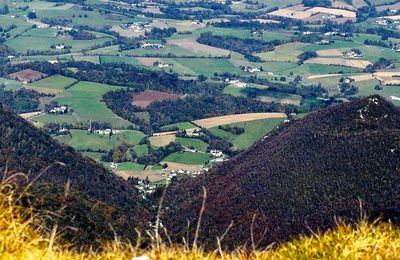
x=188, y=158
x=118, y=59
x=10, y=84
x=254, y=131
x=366, y=88
x=206, y=66
x=192, y=143
x=26, y=43
x=167, y=50
x=85, y=100
x=53, y=84
x=140, y=150
x=130, y=166
x=83, y=140
x=181, y=126
x=94, y=155
x=265, y=94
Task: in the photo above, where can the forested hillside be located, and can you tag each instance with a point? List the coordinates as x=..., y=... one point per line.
x=334, y=163
x=91, y=203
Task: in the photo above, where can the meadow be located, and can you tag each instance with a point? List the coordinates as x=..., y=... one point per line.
x=187, y=158
x=253, y=131
x=55, y=84
x=192, y=143
x=83, y=140
x=85, y=100
x=181, y=126
x=265, y=94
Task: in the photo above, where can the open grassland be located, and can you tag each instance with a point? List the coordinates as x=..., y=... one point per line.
x=312, y=69
x=186, y=167
x=151, y=175
x=79, y=17
x=334, y=11
x=205, y=66
x=109, y=50
x=130, y=166
x=169, y=50
x=10, y=84
x=293, y=14
x=30, y=114
x=88, y=58
x=181, y=126
x=360, y=64
x=201, y=49
x=120, y=59
x=192, y=143
x=83, y=140
x=367, y=88
x=238, y=118
x=162, y=140
x=264, y=95
x=54, y=84
x=85, y=100
x=330, y=53
x=180, y=25
x=286, y=52
x=23, y=236
x=22, y=26
x=253, y=131
x=187, y=158
x=140, y=150
x=26, y=43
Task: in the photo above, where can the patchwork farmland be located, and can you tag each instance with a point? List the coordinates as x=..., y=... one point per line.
x=153, y=89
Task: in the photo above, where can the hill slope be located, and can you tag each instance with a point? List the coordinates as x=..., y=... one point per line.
x=298, y=179
x=87, y=197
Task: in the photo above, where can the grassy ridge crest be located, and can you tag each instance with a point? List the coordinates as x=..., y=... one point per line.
x=22, y=236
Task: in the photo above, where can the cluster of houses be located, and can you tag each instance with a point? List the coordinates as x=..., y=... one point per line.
x=250, y=69
x=138, y=27
x=147, y=45
x=162, y=65
x=323, y=42
x=176, y=173
x=387, y=20
x=106, y=131
x=341, y=34
x=63, y=109
x=354, y=53
x=60, y=46
x=236, y=83
x=145, y=188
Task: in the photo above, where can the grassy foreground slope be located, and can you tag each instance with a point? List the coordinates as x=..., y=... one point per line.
x=22, y=237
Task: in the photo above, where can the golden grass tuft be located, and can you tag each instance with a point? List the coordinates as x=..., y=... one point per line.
x=22, y=237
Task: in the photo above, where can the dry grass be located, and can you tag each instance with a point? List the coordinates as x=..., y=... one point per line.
x=152, y=176
x=334, y=11
x=238, y=118
x=161, y=140
x=180, y=166
x=361, y=64
x=330, y=53
x=287, y=13
x=321, y=76
x=364, y=77
x=192, y=45
x=30, y=114
x=22, y=237
x=148, y=61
